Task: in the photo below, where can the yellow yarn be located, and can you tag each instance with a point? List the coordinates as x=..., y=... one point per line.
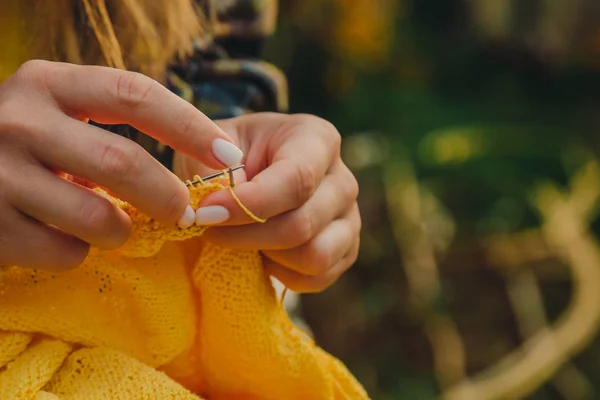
x=238, y=201
x=166, y=316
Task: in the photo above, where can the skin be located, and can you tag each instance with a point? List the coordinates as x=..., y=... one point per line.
x=295, y=178
x=294, y=175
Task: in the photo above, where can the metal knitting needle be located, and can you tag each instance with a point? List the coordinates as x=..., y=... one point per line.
x=217, y=174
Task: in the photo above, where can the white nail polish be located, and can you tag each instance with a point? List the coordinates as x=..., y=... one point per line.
x=187, y=219
x=226, y=152
x=211, y=215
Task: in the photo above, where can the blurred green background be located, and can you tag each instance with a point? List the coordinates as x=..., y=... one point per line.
x=472, y=127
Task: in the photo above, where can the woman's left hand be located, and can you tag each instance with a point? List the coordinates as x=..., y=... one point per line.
x=293, y=176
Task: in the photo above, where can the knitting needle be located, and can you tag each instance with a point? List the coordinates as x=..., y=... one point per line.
x=216, y=174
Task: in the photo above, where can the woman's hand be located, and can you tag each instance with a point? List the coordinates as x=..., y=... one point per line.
x=294, y=176
x=47, y=221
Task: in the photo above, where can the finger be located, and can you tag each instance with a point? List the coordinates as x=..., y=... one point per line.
x=186, y=167
x=289, y=181
x=112, y=96
x=111, y=161
x=81, y=182
x=321, y=253
x=72, y=208
x=283, y=186
x=32, y=244
x=301, y=283
x=336, y=193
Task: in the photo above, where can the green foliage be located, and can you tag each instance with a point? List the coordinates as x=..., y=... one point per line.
x=482, y=122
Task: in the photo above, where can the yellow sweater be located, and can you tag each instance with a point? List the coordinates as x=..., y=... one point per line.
x=164, y=317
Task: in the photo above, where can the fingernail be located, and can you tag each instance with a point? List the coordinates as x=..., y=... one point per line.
x=187, y=219
x=226, y=152
x=211, y=215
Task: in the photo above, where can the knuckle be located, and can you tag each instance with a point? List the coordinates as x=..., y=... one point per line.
x=95, y=215
x=119, y=159
x=305, y=119
x=305, y=180
x=333, y=134
x=309, y=119
x=326, y=128
x=37, y=73
x=301, y=229
x=32, y=69
x=34, y=65
x=353, y=256
x=337, y=139
x=133, y=89
x=352, y=189
x=319, y=260
x=358, y=227
x=12, y=124
x=15, y=121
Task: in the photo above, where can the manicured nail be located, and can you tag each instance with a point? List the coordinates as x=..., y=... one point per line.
x=188, y=218
x=211, y=215
x=226, y=152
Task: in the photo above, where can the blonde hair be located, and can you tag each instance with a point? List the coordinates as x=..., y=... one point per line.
x=140, y=35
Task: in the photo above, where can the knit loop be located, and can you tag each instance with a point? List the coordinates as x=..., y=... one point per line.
x=163, y=316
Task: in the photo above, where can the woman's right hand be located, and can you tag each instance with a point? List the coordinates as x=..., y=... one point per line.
x=47, y=221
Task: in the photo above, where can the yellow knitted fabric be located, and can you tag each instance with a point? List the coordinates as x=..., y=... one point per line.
x=166, y=316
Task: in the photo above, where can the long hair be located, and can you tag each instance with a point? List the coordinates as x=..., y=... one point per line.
x=140, y=35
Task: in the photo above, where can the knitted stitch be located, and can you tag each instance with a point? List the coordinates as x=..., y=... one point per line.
x=166, y=316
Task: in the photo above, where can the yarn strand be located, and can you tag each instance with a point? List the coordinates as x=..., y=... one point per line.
x=244, y=208
x=239, y=202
